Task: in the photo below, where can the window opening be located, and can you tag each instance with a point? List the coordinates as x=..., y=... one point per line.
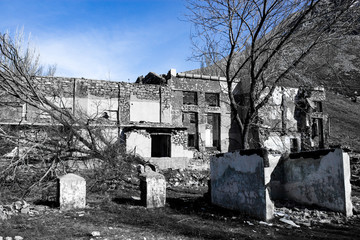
x=213, y=131
x=318, y=106
x=190, y=121
x=191, y=140
x=212, y=99
x=160, y=146
x=190, y=98
x=294, y=145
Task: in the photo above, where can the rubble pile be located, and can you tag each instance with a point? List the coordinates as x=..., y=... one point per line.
x=20, y=207
x=302, y=216
x=186, y=178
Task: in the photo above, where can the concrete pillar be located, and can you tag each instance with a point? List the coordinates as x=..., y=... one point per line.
x=153, y=189
x=71, y=192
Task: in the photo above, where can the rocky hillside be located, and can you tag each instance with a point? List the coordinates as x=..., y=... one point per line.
x=344, y=121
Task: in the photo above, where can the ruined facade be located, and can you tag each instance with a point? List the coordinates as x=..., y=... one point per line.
x=178, y=116
x=292, y=120
x=174, y=119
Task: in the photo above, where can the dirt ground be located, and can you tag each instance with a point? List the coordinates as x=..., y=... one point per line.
x=187, y=215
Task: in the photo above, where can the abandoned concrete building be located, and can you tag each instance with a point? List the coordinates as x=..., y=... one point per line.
x=174, y=119
x=293, y=120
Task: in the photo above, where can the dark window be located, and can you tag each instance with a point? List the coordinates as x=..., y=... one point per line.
x=192, y=117
x=189, y=117
x=160, y=146
x=191, y=140
x=315, y=129
x=294, y=145
x=318, y=132
x=318, y=106
x=190, y=98
x=190, y=121
x=209, y=119
x=212, y=99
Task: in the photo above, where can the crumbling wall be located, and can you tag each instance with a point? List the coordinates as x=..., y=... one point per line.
x=97, y=98
x=319, y=178
x=201, y=85
x=278, y=124
x=238, y=182
x=293, y=120
x=139, y=142
x=157, y=96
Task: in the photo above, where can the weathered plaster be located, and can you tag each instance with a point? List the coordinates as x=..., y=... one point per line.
x=238, y=183
x=139, y=143
x=71, y=192
x=323, y=181
x=147, y=110
x=153, y=189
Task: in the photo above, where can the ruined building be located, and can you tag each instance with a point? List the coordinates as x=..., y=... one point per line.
x=292, y=120
x=174, y=119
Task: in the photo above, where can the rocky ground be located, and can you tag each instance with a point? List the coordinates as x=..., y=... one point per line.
x=187, y=215
x=116, y=213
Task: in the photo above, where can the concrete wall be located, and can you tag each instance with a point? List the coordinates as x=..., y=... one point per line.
x=277, y=118
x=276, y=141
x=201, y=85
x=139, y=142
x=141, y=103
x=319, y=178
x=242, y=180
x=238, y=183
x=144, y=110
x=290, y=114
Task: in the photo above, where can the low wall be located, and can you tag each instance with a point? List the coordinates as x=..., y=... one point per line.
x=180, y=156
x=241, y=180
x=238, y=183
x=319, y=178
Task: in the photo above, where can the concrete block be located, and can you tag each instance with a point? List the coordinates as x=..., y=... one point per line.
x=71, y=192
x=153, y=189
x=238, y=183
x=319, y=178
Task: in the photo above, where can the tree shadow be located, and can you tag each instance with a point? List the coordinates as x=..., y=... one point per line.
x=191, y=216
x=48, y=203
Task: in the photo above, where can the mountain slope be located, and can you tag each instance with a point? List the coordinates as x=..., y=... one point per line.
x=344, y=121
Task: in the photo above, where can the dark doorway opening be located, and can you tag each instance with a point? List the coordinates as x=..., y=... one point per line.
x=213, y=125
x=294, y=147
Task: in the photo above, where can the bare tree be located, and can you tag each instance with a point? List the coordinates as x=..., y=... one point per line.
x=64, y=132
x=262, y=42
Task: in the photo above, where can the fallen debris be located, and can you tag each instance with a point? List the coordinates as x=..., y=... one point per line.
x=265, y=223
x=248, y=222
x=290, y=222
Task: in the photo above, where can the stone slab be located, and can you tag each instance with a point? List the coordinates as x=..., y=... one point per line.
x=71, y=192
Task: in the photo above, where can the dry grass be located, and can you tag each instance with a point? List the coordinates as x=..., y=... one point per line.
x=187, y=215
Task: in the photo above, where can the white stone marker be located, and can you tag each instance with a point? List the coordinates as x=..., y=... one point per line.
x=71, y=192
x=153, y=189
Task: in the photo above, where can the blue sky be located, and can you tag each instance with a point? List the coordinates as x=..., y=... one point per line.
x=115, y=40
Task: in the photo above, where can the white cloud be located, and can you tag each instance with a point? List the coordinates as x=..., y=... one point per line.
x=109, y=54
x=89, y=55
